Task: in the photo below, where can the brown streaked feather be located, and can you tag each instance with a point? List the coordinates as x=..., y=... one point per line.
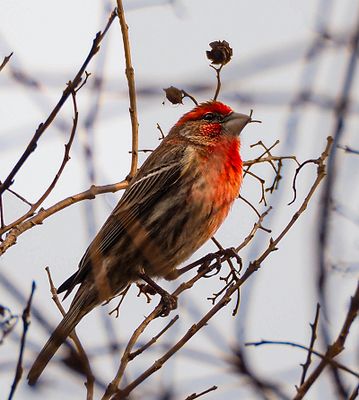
x=146, y=188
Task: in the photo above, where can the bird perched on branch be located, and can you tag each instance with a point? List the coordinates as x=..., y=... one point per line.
x=174, y=204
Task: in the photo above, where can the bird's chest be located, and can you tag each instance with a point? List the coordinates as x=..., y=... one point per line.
x=217, y=185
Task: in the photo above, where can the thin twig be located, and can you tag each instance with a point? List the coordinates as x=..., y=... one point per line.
x=19, y=197
x=300, y=346
x=196, y=396
x=26, y=322
x=185, y=94
x=65, y=160
x=86, y=363
x=2, y=220
x=131, y=356
x=130, y=75
x=348, y=149
x=308, y=361
x=295, y=178
x=218, y=76
x=38, y=219
x=355, y=393
x=5, y=61
x=334, y=349
x=256, y=226
x=162, y=135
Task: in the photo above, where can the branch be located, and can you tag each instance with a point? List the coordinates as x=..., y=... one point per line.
x=130, y=75
x=5, y=61
x=26, y=323
x=65, y=160
x=348, y=149
x=313, y=327
x=196, y=396
x=300, y=346
x=38, y=219
x=334, y=349
x=136, y=353
x=218, y=76
x=86, y=363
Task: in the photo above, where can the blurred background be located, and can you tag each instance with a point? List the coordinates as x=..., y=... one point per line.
x=295, y=65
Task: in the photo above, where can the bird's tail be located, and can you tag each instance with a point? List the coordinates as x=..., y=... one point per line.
x=76, y=312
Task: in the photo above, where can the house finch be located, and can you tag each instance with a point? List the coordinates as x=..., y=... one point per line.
x=174, y=204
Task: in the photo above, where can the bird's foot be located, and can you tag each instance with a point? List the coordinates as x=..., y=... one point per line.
x=168, y=301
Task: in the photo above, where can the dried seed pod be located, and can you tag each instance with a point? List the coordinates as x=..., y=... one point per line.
x=174, y=95
x=221, y=52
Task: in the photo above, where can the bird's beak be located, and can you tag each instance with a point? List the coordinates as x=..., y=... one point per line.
x=235, y=122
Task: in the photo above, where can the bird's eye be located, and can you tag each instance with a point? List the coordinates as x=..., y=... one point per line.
x=209, y=117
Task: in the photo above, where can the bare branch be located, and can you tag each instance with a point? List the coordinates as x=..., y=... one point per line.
x=334, y=349
x=300, y=346
x=130, y=75
x=65, y=160
x=83, y=356
x=313, y=327
x=5, y=61
x=38, y=219
x=26, y=323
x=196, y=396
x=131, y=356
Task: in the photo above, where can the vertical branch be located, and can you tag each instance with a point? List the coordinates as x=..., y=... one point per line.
x=130, y=75
x=308, y=361
x=343, y=106
x=334, y=349
x=2, y=221
x=26, y=323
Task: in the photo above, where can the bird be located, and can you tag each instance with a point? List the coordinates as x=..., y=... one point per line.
x=176, y=202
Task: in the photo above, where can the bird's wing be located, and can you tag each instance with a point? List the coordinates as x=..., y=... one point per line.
x=143, y=192
x=136, y=201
